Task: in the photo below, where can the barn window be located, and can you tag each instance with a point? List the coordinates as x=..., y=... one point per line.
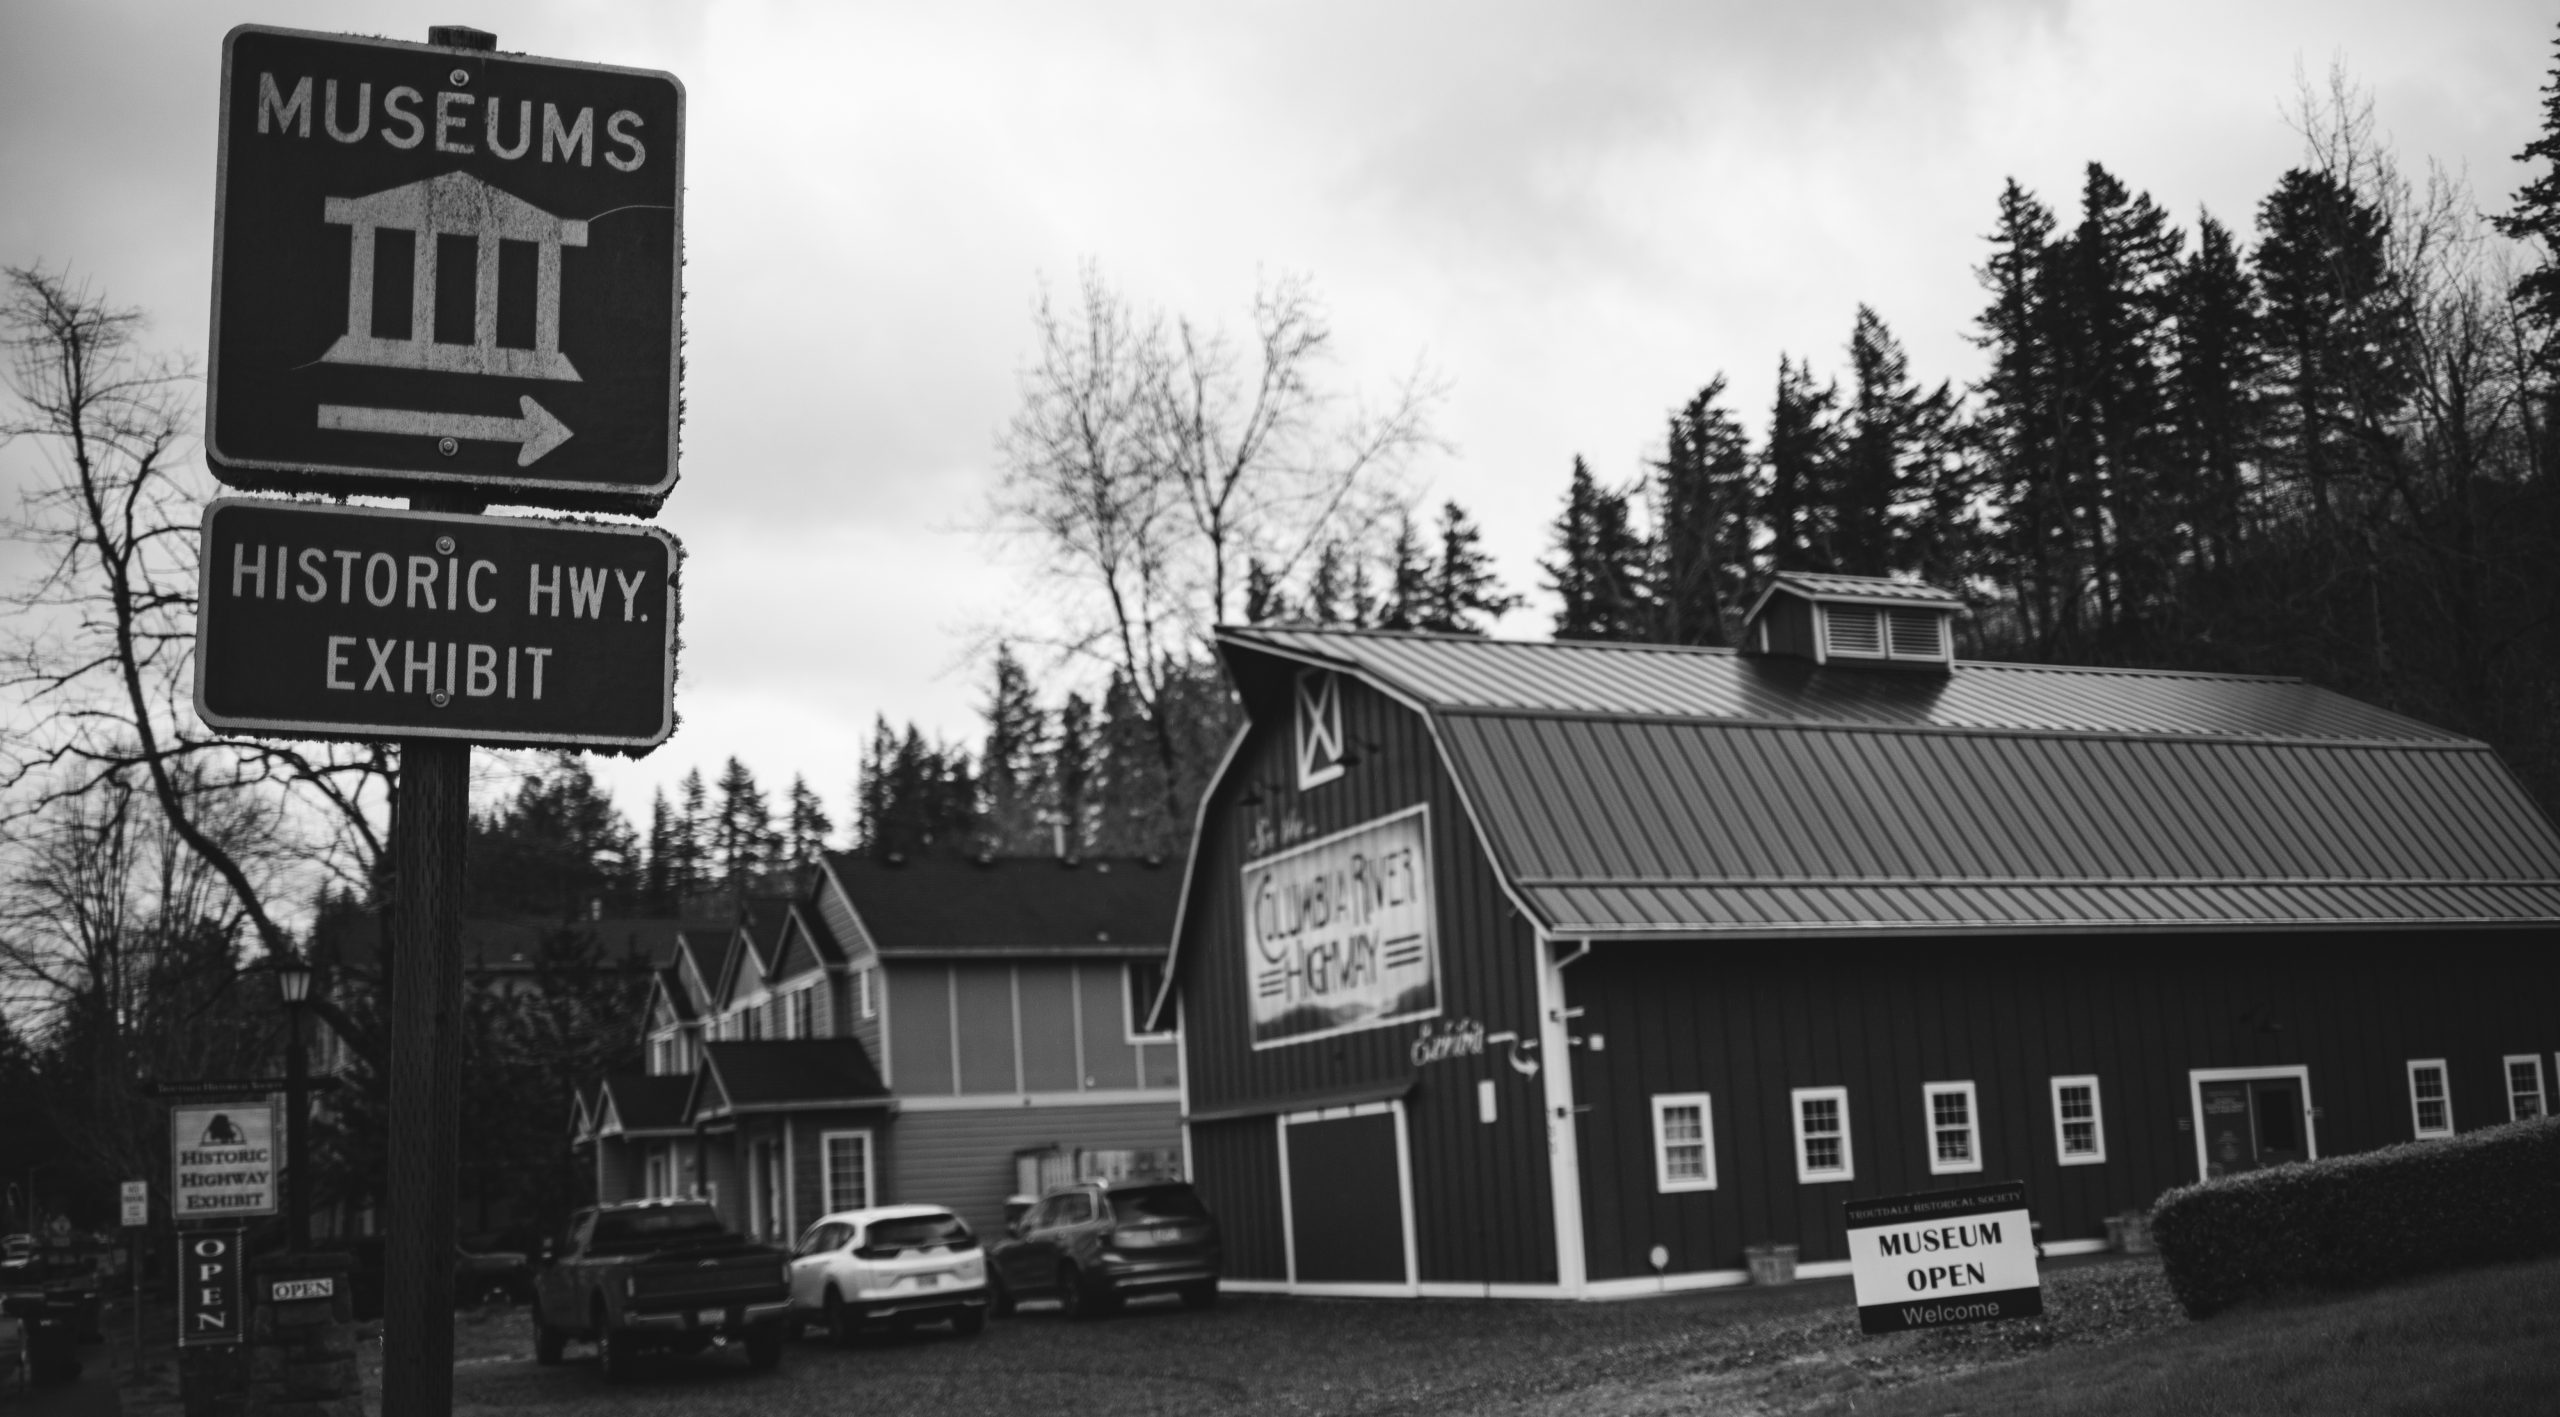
x=1684, y=1148
x=2079, y=1131
x=2525, y=1097
x=2430, y=1098
x=1319, y=728
x=1955, y=1134
x=1822, y=1135
x=1863, y=632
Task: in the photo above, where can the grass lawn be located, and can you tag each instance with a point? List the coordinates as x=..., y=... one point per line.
x=2480, y=1342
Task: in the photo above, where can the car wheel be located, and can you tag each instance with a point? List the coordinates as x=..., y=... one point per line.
x=999, y=1298
x=548, y=1344
x=1201, y=1295
x=764, y=1347
x=969, y=1323
x=842, y=1326
x=617, y=1354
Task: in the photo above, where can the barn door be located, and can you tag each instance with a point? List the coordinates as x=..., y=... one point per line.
x=1345, y=1173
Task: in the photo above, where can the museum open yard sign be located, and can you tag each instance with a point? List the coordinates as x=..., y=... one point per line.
x=1943, y=1257
x=445, y=266
x=362, y=622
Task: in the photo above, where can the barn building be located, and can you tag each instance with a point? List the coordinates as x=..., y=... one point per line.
x=1576, y=970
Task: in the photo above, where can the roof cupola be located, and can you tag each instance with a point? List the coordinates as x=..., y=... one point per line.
x=1854, y=620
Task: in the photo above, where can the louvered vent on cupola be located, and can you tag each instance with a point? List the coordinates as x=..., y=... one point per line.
x=1861, y=620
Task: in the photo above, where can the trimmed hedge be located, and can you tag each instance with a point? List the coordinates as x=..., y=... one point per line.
x=2350, y=1222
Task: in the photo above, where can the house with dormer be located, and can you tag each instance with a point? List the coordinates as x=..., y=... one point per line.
x=944, y=1029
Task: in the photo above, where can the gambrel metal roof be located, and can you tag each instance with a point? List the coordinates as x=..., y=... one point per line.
x=1665, y=790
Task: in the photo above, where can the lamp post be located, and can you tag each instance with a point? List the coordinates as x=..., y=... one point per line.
x=293, y=984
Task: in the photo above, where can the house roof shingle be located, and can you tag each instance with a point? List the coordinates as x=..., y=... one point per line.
x=929, y=906
x=780, y=1075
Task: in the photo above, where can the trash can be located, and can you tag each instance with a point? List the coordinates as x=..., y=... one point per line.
x=1771, y=1264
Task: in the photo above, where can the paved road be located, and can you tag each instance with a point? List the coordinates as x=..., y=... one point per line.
x=92, y=1394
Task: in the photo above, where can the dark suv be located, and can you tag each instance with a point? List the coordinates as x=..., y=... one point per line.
x=1095, y=1243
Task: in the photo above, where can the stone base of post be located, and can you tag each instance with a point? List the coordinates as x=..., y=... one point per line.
x=302, y=1338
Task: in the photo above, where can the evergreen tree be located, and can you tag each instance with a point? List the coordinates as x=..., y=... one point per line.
x=2535, y=218
x=559, y=848
x=2022, y=411
x=1803, y=441
x=1129, y=796
x=2213, y=394
x=1328, y=599
x=2115, y=284
x=871, y=795
x=1883, y=478
x=1009, y=765
x=2336, y=326
x=658, y=889
x=1264, y=601
x=742, y=835
x=1071, y=778
x=1703, y=509
x=805, y=826
x=1598, y=574
x=690, y=873
x=1462, y=591
x=1408, y=579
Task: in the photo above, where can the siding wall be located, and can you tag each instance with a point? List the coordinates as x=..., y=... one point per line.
x=1035, y=1026
x=1481, y=1192
x=1748, y=1022
x=860, y=953
x=964, y=1158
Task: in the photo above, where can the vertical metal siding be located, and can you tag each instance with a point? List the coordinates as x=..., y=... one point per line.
x=1481, y=1191
x=1882, y=1019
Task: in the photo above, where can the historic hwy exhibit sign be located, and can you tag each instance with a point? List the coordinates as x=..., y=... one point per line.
x=318, y=621
x=222, y=1160
x=1943, y=1257
x=445, y=266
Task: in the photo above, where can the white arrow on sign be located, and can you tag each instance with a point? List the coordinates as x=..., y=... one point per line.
x=538, y=431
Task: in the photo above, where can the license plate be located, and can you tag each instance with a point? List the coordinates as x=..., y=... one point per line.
x=927, y=1281
x=710, y=1318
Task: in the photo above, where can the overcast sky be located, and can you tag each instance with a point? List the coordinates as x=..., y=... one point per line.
x=1576, y=214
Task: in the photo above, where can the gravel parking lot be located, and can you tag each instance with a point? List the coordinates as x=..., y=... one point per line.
x=1770, y=1350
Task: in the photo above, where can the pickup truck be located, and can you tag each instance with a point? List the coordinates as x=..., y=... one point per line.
x=643, y=1276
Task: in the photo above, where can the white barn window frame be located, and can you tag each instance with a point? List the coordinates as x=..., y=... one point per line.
x=2526, y=1095
x=2430, y=1098
x=2079, y=1120
x=1823, y=1151
x=1319, y=727
x=1951, y=1116
x=845, y=1169
x=1684, y=1142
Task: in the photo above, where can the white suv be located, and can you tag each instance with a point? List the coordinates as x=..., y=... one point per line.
x=899, y=1265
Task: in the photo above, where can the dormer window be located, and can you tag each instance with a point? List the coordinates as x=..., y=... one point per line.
x=1864, y=620
x=1868, y=632
x=1319, y=725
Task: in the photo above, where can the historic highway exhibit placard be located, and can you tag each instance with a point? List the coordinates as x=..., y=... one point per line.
x=445, y=266
x=317, y=621
x=222, y=1160
x=1943, y=1257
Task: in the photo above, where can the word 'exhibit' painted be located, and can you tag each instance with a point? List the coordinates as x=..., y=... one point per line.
x=447, y=267
x=1943, y=1257
x=1339, y=933
x=346, y=622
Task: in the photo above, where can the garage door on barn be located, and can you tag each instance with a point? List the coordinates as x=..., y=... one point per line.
x=1349, y=1207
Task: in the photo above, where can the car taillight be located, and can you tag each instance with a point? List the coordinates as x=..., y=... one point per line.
x=630, y=1285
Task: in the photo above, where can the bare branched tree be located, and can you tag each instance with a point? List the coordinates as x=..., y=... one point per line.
x=1151, y=463
x=96, y=667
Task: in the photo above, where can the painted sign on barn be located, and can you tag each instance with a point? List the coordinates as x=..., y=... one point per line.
x=1339, y=932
